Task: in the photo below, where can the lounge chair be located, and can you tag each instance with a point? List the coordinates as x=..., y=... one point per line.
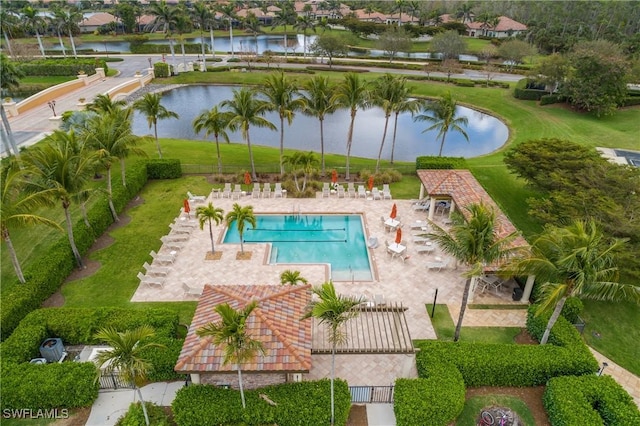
x=161, y=271
x=425, y=249
x=237, y=192
x=372, y=242
x=151, y=281
x=175, y=238
x=439, y=264
x=419, y=224
x=277, y=190
x=191, y=291
x=375, y=192
x=351, y=190
x=162, y=259
x=256, y=190
x=326, y=191
x=172, y=245
x=386, y=192
x=422, y=204
x=196, y=198
x=266, y=190
x=421, y=240
x=361, y=192
x=341, y=191
x=177, y=229
x=226, y=191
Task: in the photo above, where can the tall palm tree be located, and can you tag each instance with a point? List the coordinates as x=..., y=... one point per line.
x=228, y=11
x=216, y=123
x=318, y=98
x=384, y=94
x=18, y=208
x=245, y=111
x=301, y=161
x=352, y=94
x=8, y=22
x=203, y=15
x=126, y=356
x=34, y=22
x=334, y=310
x=103, y=104
x=67, y=19
x=241, y=216
x=575, y=260
x=110, y=134
x=283, y=97
x=442, y=113
x=150, y=106
x=182, y=25
x=285, y=16
x=304, y=23
x=166, y=17
x=292, y=278
x=10, y=76
x=474, y=241
x=403, y=103
x=61, y=168
x=231, y=333
x=253, y=27
x=208, y=214
x=465, y=12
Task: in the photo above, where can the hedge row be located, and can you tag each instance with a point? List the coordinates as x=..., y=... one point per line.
x=303, y=403
x=146, y=48
x=589, y=400
x=529, y=94
x=551, y=99
x=62, y=66
x=48, y=272
x=135, y=416
x=448, y=163
x=164, y=169
x=71, y=384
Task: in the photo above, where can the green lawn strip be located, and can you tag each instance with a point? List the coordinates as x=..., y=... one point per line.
x=617, y=325
x=49, y=80
x=474, y=405
x=445, y=328
x=442, y=322
x=28, y=422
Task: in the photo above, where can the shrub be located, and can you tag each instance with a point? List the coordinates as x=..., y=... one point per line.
x=571, y=309
x=528, y=94
x=337, y=69
x=630, y=101
x=551, y=99
x=430, y=162
x=161, y=70
x=164, y=169
x=72, y=67
x=589, y=400
x=146, y=48
x=135, y=416
x=464, y=83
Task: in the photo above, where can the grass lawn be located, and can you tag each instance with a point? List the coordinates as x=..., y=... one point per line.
x=473, y=406
x=445, y=329
x=49, y=80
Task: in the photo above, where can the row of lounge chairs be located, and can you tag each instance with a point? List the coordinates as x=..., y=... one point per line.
x=256, y=192
x=351, y=192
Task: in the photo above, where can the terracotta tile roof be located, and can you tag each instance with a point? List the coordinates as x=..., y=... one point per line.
x=505, y=24
x=97, y=19
x=258, y=12
x=275, y=322
x=464, y=189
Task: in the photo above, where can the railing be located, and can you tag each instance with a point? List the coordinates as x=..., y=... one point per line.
x=371, y=394
x=114, y=380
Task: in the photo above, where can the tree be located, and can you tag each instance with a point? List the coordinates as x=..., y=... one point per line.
x=352, y=94
x=318, y=102
x=127, y=13
x=283, y=97
x=598, y=79
x=305, y=23
x=216, y=123
x=285, y=16
x=301, y=161
x=253, y=26
x=8, y=22
x=514, y=51
x=292, y=278
x=208, y=214
x=333, y=310
x=67, y=18
x=330, y=45
x=231, y=333
x=34, y=22
x=403, y=103
x=551, y=71
x=488, y=52
x=241, y=216
x=103, y=104
x=245, y=111
x=203, y=16
x=126, y=356
x=166, y=17
x=442, y=113
x=473, y=240
x=61, y=168
x=449, y=44
x=465, y=12
x=575, y=260
x=228, y=11
x=149, y=105
x=394, y=40
x=9, y=78
x=18, y=208
x=384, y=94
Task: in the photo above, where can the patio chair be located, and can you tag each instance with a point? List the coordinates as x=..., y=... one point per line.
x=175, y=238
x=162, y=259
x=196, y=198
x=422, y=204
x=439, y=264
x=351, y=190
x=372, y=242
x=150, y=281
x=226, y=191
x=266, y=190
x=237, y=192
x=161, y=271
x=177, y=229
x=191, y=291
x=256, y=190
x=375, y=192
x=421, y=240
x=341, y=192
x=277, y=190
x=425, y=249
x=172, y=245
x=362, y=193
x=404, y=257
x=386, y=192
x=325, y=190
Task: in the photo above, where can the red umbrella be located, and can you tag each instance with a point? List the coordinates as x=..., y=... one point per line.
x=187, y=208
x=398, y=236
x=334, y=176
x=370, y=183
x=247, y=178
x=394, y=211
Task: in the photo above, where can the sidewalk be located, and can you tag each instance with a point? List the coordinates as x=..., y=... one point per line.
x=629, y=381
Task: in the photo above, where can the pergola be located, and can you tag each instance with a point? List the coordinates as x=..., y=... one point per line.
x=462, y=189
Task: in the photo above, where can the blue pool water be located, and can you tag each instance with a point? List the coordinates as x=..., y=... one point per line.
x=335, y=239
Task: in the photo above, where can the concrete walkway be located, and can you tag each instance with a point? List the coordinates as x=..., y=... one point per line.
x=629, y=381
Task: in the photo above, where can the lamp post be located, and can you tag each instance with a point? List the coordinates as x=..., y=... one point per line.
x=52, y=105
x=604, y=365
x=150, y=65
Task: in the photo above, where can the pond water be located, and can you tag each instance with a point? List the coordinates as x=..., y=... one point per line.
x=486, y=133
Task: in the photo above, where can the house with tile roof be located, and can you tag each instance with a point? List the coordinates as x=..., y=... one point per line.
x=506, y=27
x=93, y=21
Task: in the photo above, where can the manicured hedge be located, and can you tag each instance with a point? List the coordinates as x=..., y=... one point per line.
x=303, y=403
x=161, y=70
x=448, y=163
x=529, y=94
x=551, y=99
x=146, y=48
x=589, y=400
x=135, y=416
x=164, y=169
x=45, y=67
x=71, y=384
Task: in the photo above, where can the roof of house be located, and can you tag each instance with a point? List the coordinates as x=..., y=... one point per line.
x=505, y=24
x=97, y=19
x=275, y=322
x=257, y=11
x=464, y=189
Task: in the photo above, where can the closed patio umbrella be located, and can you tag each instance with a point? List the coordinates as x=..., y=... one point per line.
x=394, y=211
x=334, y=176
x=398, y=236
x=187, y=207
x=247, y=178
x=370, y=183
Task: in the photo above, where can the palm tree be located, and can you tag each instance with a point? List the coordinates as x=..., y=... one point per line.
x=246, y=110
x=231, y=333
x=465, y=12
x=67, y=19
x=18, y=207
x=352, y=93
x=384, y=93
x=9, y=78
x=292, y=278
x=110, y=134
x=403, y=103
x=203, y=15
x=34, y=22
x=285, y=16
x=213, y=122
x=442, y=113
x=8, y=22
x=333, y=310
x=318, y=98
x=229, y=11
x=474, y=241
x=301, y=161
x=166, y=17
x=150, y=106
x=304, y=23
x=254, y=27
x=103, y=104
x=209, y=214
x=182, y=25
x=126, y=356
x=242, y=216
x=61, y=168
x=574, y=261
x=282, y=95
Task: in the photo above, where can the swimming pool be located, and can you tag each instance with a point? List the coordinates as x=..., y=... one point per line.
x=334, y=239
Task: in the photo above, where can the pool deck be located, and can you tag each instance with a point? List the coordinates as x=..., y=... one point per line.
x=409, y=282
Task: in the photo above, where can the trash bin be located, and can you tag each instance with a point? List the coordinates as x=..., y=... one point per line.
x=517, y=294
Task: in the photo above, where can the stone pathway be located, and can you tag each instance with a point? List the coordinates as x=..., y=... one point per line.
x=629, y=381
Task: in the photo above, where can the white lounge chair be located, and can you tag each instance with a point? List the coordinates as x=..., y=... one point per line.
x=425, y=249
x=151, y=281
x=237, y=192
x=277, y=190
x=341, y=191
x=375, y=192
x=196, y=198
x=172, y=245
x=162, y=259
x=419, y=225
x=153, y=270
x=326, y=191
x=351, y=190
x=256, y=190
x=226, y=191
x=175, y=237
x=386, y=192
x=177, y=229
x=362, y=193
x=421, y=240
x=438, y=264
x=422, y=204
x=191, y=291
x=266, y=190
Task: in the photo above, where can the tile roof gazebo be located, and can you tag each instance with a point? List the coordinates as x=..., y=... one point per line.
x=275, y=322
